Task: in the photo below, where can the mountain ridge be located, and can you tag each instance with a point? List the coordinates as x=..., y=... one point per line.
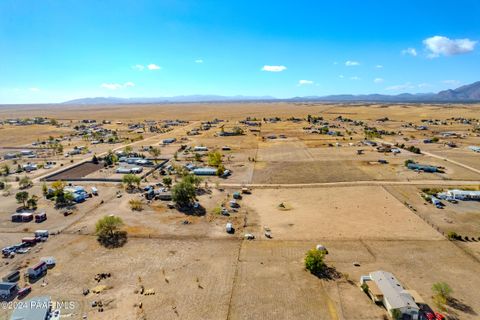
x=465, y=93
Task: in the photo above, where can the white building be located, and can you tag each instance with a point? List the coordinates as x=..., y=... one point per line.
x=383, y=287
x=457, y=194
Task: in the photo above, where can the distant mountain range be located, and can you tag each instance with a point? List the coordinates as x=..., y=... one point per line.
x=467, y=93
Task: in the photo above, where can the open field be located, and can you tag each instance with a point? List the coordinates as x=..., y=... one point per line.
x=319, y=182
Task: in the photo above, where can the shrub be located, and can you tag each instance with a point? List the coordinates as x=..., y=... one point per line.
x=314, y=261
x=136, y=205
x=452, y=235
x=442, y=292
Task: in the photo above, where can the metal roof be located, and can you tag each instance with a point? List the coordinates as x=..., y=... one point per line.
x=392, y=290
x=36, y=308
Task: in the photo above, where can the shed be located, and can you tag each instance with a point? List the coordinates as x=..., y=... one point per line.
x=7, y=289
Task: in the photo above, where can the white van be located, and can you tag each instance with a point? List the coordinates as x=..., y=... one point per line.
x=41, y=233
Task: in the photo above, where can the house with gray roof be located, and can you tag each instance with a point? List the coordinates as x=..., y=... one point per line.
x=384, y=288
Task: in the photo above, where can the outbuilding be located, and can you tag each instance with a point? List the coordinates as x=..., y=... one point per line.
x=8, y=289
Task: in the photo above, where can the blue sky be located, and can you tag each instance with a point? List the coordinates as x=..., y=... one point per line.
x=52, y=51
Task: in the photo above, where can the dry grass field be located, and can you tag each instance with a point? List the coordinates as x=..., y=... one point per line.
x=308, y=188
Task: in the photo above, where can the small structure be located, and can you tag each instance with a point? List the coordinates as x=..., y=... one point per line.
x=78, y=193
x=8, y=289
x=37, y=308
x=384, y=288
x=422, y=167
x=205, y=171
x=22, y=217
x=10, y=155
x=200, y=148
x=13, y=276
x=37, y=270
x=29, y=167
x=128, y=170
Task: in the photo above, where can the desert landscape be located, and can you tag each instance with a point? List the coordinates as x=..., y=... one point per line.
x=270, y=181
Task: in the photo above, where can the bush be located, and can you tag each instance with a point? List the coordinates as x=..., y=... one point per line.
x=24, y=182
x=167, y=181
x=314, y=261
x=452, y=235
x=442, y=292
x=136, y=205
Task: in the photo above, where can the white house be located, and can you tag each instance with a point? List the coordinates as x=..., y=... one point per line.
x=457, y=194
x=383, y=287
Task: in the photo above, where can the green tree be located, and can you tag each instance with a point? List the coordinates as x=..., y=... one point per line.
x=32, y=202
x=214, y=159
x=58, y=186
x=198, y=157
x=155, y=152
x=220, y=170
x=193, y=179
x=167, y=181
x=22, y=198
x=183, y=193
x=128, y=149
x=314, y=261
x=108, y=231
x=25, y=182
x=442, y=292
x=130, y=180
x=44, y=189
x=6, y=169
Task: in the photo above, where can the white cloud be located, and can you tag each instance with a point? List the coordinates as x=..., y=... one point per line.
x=350, y=63
x=424, y=85
x=399, y=87
x=34, y=89
x=355, y=78
x=440, y=45
x=410, y=51
x=341, y=76
x=138, y=67
x=305, y=82
x=378, y=80
x=199, y=61
x=115, y=86
x=379, y=66
x=274, y=68
x=451, y=82
x=153, y=66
